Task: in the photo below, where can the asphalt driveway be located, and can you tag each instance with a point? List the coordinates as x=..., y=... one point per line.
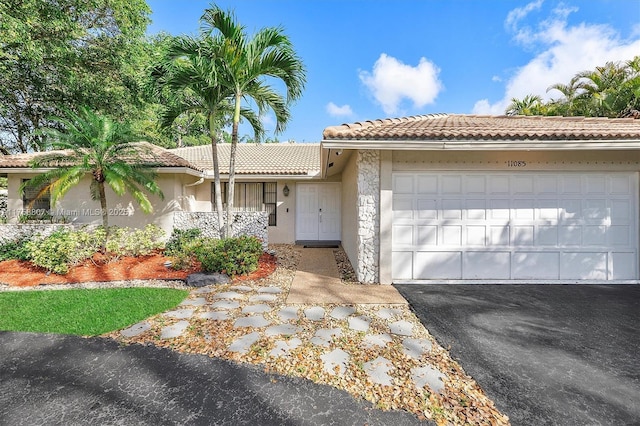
x=48, y=379
x=546, y=354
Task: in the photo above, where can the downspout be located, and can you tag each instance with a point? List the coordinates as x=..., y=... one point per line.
x=187, y=185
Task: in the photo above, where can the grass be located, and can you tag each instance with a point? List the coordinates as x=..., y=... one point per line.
x=82, y=311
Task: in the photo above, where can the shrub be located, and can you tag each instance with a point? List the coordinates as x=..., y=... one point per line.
x=232, y=256
x=63, y=249
x=135, y=242
x=180, y=239
x=14, y=250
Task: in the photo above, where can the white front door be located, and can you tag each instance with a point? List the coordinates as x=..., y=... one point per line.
x=318, y=211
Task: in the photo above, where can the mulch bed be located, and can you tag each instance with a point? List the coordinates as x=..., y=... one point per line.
x=103, y=268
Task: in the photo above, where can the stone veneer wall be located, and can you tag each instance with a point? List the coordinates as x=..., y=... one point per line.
x=12, y=232
x=368, y=181
x=244, y=223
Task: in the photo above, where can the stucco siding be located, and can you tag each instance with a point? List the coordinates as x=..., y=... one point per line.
x=349, y=211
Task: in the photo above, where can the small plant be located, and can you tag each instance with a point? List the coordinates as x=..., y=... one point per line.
x=15, y=250
x=135, y=242
x=63, y=249
x=180, y=247
x=35, y=216
x=231, y=256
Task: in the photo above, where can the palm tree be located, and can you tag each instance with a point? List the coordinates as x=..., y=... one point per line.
x=246, y=63
x=529, y=105
x=189, y=81
x=96, y=145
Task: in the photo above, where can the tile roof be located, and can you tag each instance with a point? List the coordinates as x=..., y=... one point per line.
x=149, y=153
x=461, y=127
x=258, y=159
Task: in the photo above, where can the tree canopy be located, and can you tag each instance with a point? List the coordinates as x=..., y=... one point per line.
x=611, y=90
x=57, y=54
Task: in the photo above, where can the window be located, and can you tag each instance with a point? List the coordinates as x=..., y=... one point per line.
x=251, y=196
x=32, y=203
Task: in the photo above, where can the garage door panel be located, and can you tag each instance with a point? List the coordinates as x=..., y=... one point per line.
x=402, y=265
x=427, y=235
x=438, y=265
x=623, y=266
x=403, y=184
x=526, y=226
x=476, y=235
x=402, y=208
x=536, y=265
x=584, y=266
x=547, y=235
x=493, y=265
x=403, y=235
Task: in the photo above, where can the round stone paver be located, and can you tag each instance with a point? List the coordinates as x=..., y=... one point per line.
x=179, y=313
x=359, y=323
x=282, y=329
x=401, y=328
x=341, y=312
x=282, y=347
x=198, y=301
x=388, y=313
x=228, y=295
x=315, y=313
x=323, y=336
x=256, y=309
x=243, y=344
x=136, y=329
x=226, y=304
x=378, y=370
x=251, y=321
x=335, y=362
x=427, y=375
x=175, y=330
x=380, y=340
x=263, y=298
x=288, y=313
x=415, y=348
x=270, y=290
x=215, y=315
x=243, y=288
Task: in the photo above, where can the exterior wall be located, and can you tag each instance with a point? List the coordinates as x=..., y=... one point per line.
x=368, y=219
x=15, y=232
x=517, y=161
x=283, y=232
x=350, y=210
x=244, y=223
x=77, y=207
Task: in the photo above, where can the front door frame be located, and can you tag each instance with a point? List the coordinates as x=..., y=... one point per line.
x=326, y=224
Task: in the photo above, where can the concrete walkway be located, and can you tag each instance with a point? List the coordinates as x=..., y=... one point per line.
x=317, y=280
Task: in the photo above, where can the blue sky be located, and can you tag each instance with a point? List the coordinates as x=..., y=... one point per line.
x=369, y=59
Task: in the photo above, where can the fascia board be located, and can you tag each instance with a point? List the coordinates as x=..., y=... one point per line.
x=502, y=145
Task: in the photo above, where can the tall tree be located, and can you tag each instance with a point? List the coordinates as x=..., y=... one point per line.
x=246, y=64
x=95, y=145
x=189, y=81
x=611, y=90
x=57, y=54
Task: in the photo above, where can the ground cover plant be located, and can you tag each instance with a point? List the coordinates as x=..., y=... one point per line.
x=85, y=312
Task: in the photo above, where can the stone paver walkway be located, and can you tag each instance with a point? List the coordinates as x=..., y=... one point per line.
x=266, y=312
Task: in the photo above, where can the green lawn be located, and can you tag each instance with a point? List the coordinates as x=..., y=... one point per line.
x=83, y=312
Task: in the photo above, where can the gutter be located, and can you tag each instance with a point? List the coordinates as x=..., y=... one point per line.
x=502, y=145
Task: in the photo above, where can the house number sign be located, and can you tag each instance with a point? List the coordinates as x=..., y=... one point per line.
x=516, y=163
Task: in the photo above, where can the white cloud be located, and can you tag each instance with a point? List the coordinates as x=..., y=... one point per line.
x=518, y=14
x=391, y=81
x=563, y=51
x=339, y=111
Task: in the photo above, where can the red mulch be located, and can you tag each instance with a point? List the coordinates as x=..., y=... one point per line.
x=101, y=269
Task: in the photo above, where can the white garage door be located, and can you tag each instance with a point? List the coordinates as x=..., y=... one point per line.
x=525, y=226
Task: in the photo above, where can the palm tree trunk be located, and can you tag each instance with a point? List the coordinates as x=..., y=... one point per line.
x=232, y=162
x=216, y=175
x=105, y=214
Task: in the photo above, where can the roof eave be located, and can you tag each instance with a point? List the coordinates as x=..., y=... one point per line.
x=482, y=145
x=310, y=175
